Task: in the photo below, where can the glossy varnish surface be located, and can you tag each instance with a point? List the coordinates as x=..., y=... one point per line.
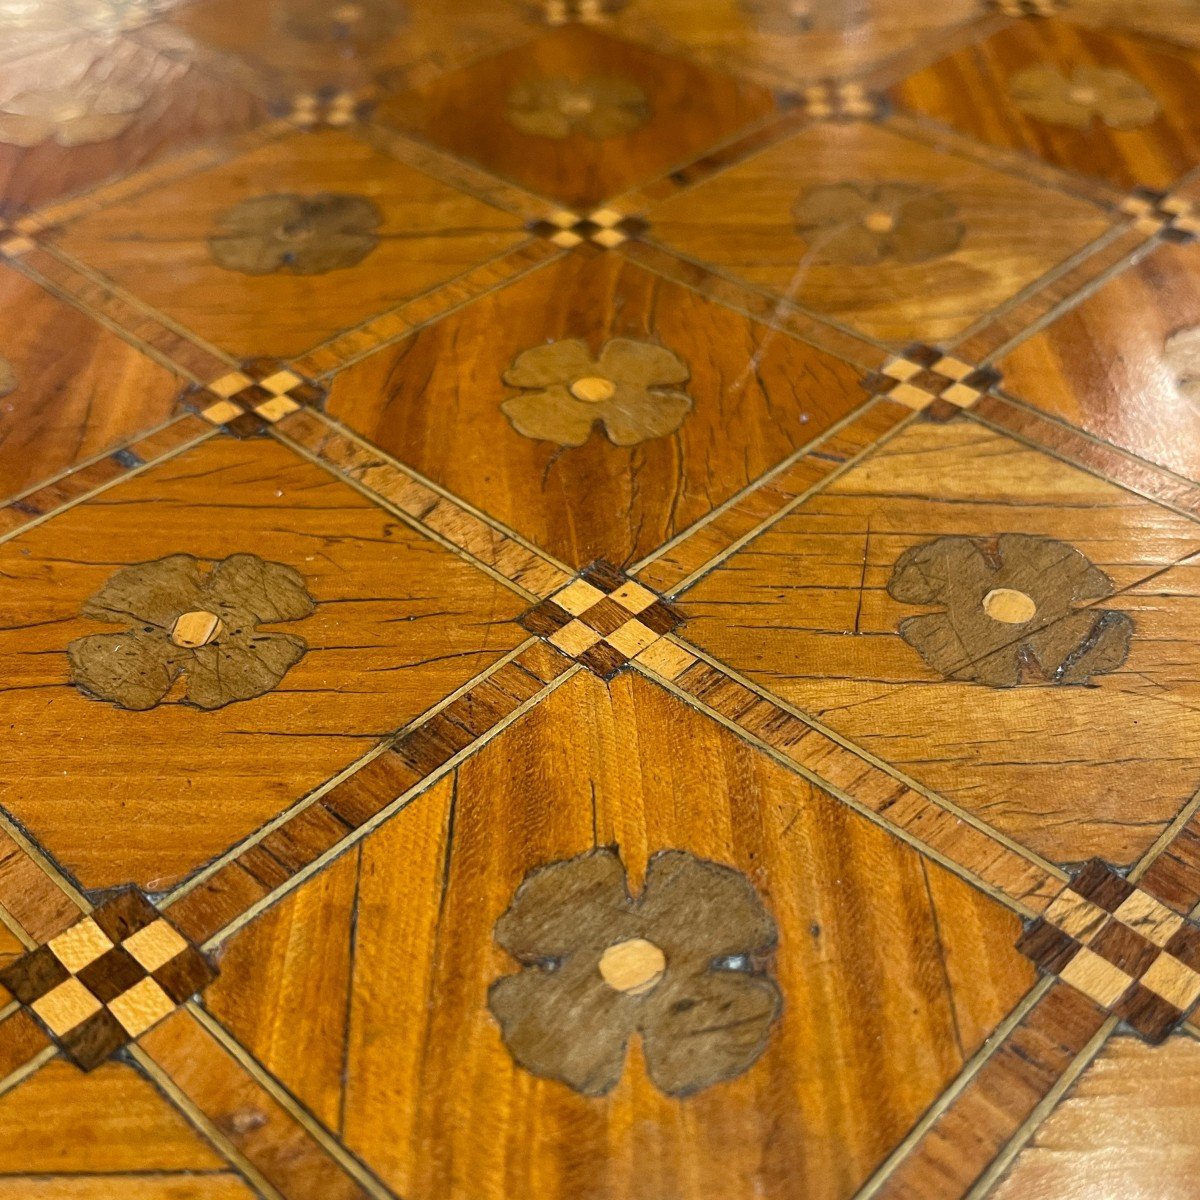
x=598, y=599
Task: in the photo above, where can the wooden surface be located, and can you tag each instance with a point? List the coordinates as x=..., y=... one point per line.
x=598, y=598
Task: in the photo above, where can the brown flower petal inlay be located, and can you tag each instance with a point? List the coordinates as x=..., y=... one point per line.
x=307, y=235
x=1011, y=611
x=860, y=224
x=184, y=622
x=598, y=108
x=629, y=390
x=681, y=965
x=1112, y=96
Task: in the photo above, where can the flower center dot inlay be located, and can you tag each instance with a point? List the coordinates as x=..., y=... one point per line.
x=1083, y=95
x=1009, y=605
x=593, y=389
x=348, y=14
x=633, y=966
x=879, y=222
x=197, y=628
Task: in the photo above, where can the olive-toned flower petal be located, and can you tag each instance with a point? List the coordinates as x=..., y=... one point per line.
x=699, y=909
x=267, y=591
x=554, y=363
x=1182, y=354
x=261, y=215
x=891, y=197
x=635, y=415
x=711, y=1026
x=552, y=416
x=852, y=245
x=152, y=593
x=132, y=669
x=613, y=117
x=359, y=23
x=8, y=378
x=641, y=364
x=576, y=906
x=332, y=213
x=832, y=204
x=928, y=206
x=1044, y=93
x=916, y=241
x=970, y=651
x=330, y=252
x=573, y=1031
x=538, y=118
x=240, y=667
x=1055, y=575
x=1084, y=644
x=926, y=574
x=251, y=254
x=1123, y=102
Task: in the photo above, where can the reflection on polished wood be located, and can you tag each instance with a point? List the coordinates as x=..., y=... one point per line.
x=599, y=598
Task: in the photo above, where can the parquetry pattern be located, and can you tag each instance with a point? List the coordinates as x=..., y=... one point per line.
x=744, y=452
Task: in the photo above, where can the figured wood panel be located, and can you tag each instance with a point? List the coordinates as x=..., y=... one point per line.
x=1105, y=366
x=1128, y=1128
x=400, y=623
x=435, y=401
x=892, y=970
x=804, y=611
x=427, y=234
x=972, y=91
x=743, y=221
x=164, y=104
x=112, y=1120
x=74, y=388
x=686, y=109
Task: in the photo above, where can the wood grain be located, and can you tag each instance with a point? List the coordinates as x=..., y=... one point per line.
x=970, y=91
x=803, y=610
x=742, y=222
x=434, y=400
x=400, y=624
x=1127, y=1128
x=428, y=235
x=1102, y=365
x=465, y=111
x=112, y=1121
x=173, y=105
x=600, y=766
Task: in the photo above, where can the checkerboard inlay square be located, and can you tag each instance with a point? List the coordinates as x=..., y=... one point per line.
x=1121, y=948
x=108, y=978
x=602, y=619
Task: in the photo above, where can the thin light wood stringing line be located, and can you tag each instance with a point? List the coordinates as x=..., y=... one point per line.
x=839, y=794
x=44, y=864
x=39, y=1060
x=7, y=1011
x=445, y=493
x=791, y=506
x=15, y=928
x=34, y=522
x=754, y=485
x=115, y=289
x=188, y=1108
x=102, y=318
x=328, y=1141
x=401, y=801
x=384, y=503
x=1041, y=1111
x=995, y=1040
x=1163, y=842
x=960, y=814
x=1086, y=468
x=193, y=881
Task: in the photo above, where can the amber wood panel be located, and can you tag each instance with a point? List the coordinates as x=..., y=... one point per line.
x=892, y=975
x=69, y=388
x=110, y=106
x=1127, y=1128
x=110, y=1122
x=651, y=112
x=804, y=611
x=420, y=233
x=979, y=246
x=1171, y=20
x=400, y=623
x=1121, y=364
x=1099, y=134
x=438, y=401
